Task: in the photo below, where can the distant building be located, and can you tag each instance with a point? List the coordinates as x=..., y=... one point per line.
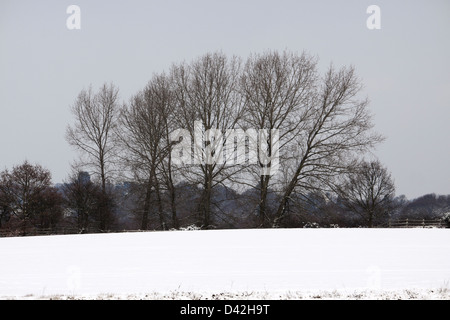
x=84, y=177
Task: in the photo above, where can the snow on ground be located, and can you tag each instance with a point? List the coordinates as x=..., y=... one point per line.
x=227, y=264
x=406, y=294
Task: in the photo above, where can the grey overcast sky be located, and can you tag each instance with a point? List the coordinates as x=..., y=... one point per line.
x=404, y=66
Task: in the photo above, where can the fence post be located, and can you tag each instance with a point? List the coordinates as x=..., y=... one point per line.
x=407, y=222
x=423, y=223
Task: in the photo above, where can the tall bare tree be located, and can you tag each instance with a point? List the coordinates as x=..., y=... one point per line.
x=92, y=134
x=276, y=88
x=168, y=108
x=209, y=104
x=146, y=123
x=338, y=128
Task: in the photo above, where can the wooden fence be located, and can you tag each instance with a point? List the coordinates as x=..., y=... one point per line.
x=405, y=223
x=417, y=223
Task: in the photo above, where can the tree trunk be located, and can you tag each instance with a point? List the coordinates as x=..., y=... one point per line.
x=288, y=191
x=205, y=201
x=173, y=208
x=370, y=222
x=264, y=219
x=207, y=206
x=169, y=182
x=146, y=211
x=159, y=202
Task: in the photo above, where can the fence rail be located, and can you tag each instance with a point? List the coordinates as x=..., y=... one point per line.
x=417, y=223
x=404, y=223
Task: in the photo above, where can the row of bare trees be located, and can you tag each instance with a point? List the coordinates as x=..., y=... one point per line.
x=313, y=128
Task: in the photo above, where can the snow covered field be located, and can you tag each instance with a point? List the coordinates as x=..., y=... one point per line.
x=226, y=264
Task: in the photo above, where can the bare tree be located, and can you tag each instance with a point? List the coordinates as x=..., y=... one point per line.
x=276, y=88
x=368, y=191
x=92, y=133
x=141, y=135
x=338, y=128
x=168, y=108
x=83, y=199
x=27, y=194
x=145, y=125
x=209, y=105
